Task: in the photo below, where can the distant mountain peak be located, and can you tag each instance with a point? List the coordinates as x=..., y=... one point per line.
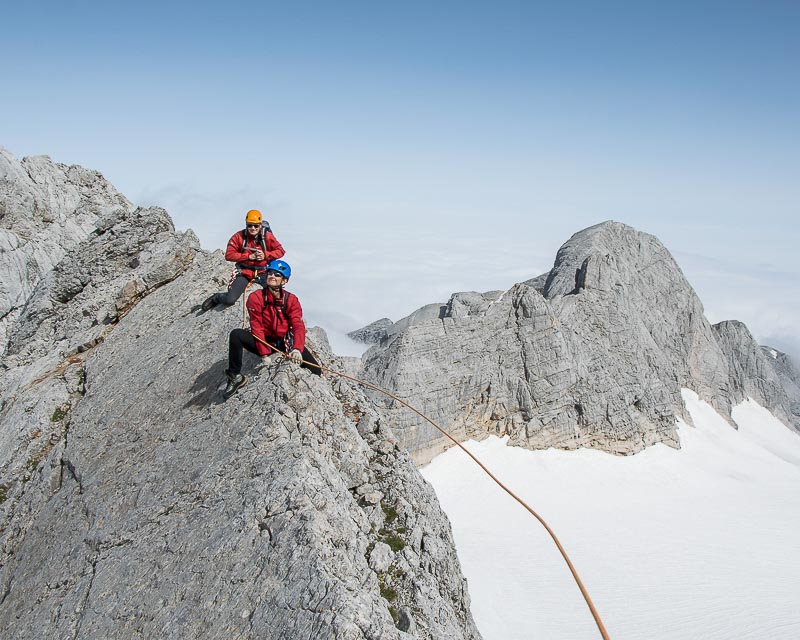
x=593, y=354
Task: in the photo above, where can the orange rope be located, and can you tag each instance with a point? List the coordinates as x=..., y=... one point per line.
x=561, y=549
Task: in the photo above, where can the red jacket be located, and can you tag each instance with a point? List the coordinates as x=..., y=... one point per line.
x=240, y=254
x=270, y=322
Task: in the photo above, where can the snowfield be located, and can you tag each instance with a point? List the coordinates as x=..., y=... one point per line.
x=698, y=543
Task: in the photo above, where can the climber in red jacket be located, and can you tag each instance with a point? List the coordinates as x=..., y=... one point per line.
x=276, y=318
x=251, y=249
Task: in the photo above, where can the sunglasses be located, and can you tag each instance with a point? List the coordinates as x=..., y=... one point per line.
x=253, y=226
x=276, y=274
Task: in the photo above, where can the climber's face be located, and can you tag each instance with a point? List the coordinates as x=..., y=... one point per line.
x=275, y=279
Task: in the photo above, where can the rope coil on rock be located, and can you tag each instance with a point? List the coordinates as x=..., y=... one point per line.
x=541, y=520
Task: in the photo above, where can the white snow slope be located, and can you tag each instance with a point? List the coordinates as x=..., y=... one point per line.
x=697, y=543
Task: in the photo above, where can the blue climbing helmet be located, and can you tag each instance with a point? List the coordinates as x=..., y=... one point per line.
x=281, y=267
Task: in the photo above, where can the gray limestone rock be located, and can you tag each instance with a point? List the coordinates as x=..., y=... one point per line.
x=789, y=376
x=783, y=364
x=373, y=333
x=758, y=374
x=538, y=282
x=46, y=210
x=594, y=355
x=428, y=312
x=135, y=503
x=87, y=256
x=380, y=558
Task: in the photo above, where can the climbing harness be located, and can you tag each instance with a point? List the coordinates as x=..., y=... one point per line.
x=541, y=520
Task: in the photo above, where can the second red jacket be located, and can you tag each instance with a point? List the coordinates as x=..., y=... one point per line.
x=270, y=321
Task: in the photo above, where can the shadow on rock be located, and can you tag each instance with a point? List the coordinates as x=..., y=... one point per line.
x=198, y=310
x=207, y=387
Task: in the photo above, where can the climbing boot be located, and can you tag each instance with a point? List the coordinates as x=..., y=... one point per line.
x=234, y=384
x=209, y=303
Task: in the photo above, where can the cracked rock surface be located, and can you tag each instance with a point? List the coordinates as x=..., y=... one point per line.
x=592, y=354
x=135, y=503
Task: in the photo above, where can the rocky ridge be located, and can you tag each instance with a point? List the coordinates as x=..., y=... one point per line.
x=373, y=333
x=135, y=504
x=592, y=354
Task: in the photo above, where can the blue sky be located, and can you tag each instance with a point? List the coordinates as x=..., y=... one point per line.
x=405, y=152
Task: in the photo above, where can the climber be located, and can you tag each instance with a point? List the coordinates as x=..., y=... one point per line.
x=276, y=318
x=251, y=249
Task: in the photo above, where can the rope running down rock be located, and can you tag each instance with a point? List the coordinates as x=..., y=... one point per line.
x=541, y=520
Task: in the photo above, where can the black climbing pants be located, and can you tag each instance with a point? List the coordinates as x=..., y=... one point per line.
x=236, y=289
x=241, y=339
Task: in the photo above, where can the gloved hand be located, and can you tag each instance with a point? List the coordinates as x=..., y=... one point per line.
x=296, y=355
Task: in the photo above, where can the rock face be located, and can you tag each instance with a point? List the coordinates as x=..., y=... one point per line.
x=372, y=333
x=135, y=504
x=787, y=373
x=592, y=355
x=756, y=373
x=46, y=210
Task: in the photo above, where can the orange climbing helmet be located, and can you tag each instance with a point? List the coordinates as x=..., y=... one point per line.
x=253, y=217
